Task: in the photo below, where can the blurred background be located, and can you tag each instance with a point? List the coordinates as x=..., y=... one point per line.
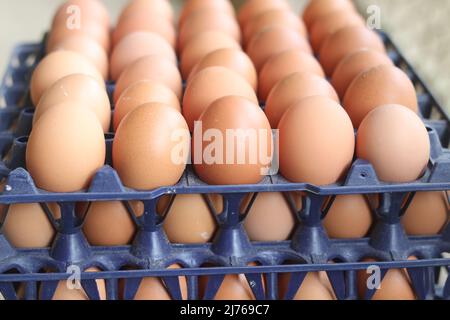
x=419, y=27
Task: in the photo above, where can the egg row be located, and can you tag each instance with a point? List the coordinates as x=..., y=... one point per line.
x=189, y=220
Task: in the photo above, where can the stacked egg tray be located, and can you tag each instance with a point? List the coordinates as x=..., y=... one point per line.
x=230, y=252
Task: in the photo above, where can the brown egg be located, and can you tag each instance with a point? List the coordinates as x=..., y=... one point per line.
x=140, y=93
x=224, y=161
x=283, y=65
x=292, y=89
x=207, y=20
x=147, y=135
x=87, y=28
x=57, y=65
x=350, y=216
x=138, y=45
x=317, y=142
x=108, y=223
x=154, y=289
x=81, y=88
x=192, y=6
x=384, y=84
x=312, y=287
x=319, y=8
x=161, y=8
x=427, y=214
x=325, y=26
x=88, y=47
x=353, y=65
x=64, y=293
x=346, y=41
x=405, y=151
x=203, y=44
x=153, y=68
x=27, y=225
x=396, y=285
x=89, y=11
x=145, y=21
x=271, y=18
x=65, y=148
x=270, y=218
x=273, y=41
x=252, y=8
x=232, y=59
x=189, y=219
x=209, y=85
x=235, y=287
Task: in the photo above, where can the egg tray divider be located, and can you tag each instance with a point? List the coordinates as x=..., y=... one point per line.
x=231, y=251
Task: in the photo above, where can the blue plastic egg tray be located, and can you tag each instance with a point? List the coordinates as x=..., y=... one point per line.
x=231, y=251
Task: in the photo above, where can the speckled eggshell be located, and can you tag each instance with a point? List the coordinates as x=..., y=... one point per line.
x=317, y=142
x=395, y=141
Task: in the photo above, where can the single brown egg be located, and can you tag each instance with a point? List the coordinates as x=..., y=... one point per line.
x=326, y=25
x=292, y=89
x=427, y=214
x=88, y=28
x=77, y=87
x=64, y=293
x=140, y=93
x=138, y=45
x=271, y=18
x=353, y=65
x=405, y=149
x=189, y=219
x=273, y=41
x=66, y=148
x=233, y=144
x=234, y=287
x=161, y=8
x=396, y=284
x=312, y=287
x=57, y=65
x=319, y=8
x=209, y=85
x=88, y=47
x=27, y=225
x=108, y=223
x=201, y=45
x=270, y=218
x=349, y=217
x=345, y=41
x=145, y=21
x=151, y=134
x=192, y=6
x=283, y=65
x=252, y=8
x=317, y=142
x=232, y=59
x=87, y=10
x=384, y=84
x=207, y=20
x=153, y=68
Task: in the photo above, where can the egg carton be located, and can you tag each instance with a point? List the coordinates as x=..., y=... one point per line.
x=309, y=249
